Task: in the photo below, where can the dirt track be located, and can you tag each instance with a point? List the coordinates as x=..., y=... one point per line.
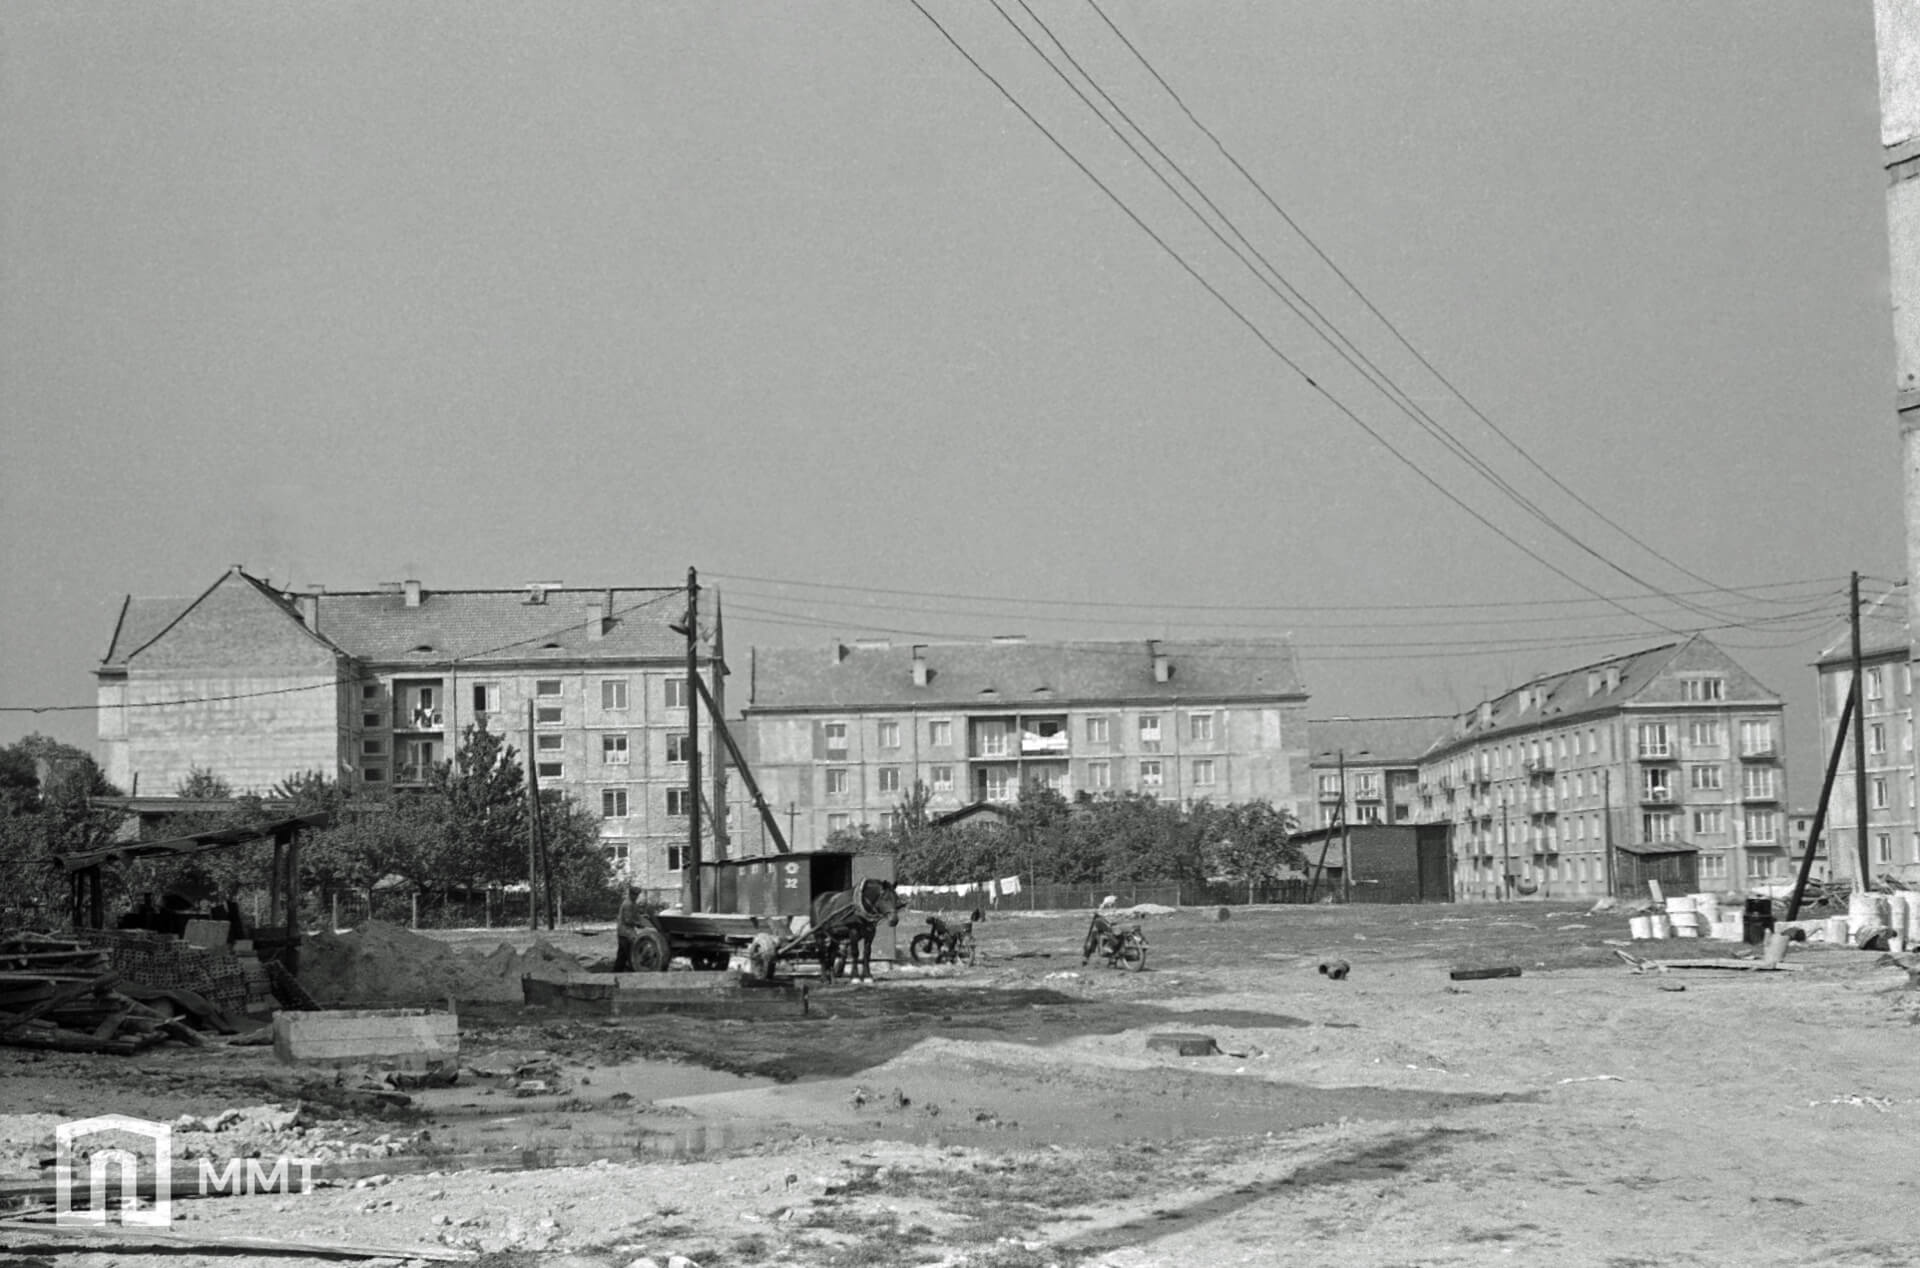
x=1012, y=1114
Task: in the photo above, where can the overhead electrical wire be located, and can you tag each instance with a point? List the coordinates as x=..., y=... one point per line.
x=1251, y=326
x=1295, y=301
x=1383, y=319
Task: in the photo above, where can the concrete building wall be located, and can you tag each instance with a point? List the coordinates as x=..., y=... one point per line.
x=251, y=729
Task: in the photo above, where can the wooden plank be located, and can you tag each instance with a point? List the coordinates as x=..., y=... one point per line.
x=72, y=990
x=21, y=1233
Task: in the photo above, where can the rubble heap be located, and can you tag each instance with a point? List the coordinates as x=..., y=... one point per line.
x=380, y=965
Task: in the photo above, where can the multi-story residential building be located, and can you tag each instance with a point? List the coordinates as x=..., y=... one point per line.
x=374, y=687
x=1886, y=679
x=1676, y=748
x=1375, y=762
x=840, y=736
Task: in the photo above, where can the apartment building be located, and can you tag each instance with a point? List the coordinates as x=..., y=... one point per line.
x=1373, y=763
x=1671, y=750
x=839, y=736
x=1886, y=679
x=375, y=687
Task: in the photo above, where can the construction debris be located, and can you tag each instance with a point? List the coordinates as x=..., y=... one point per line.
x=61, y=994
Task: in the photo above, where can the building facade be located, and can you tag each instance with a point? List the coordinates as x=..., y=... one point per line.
x=1373, y=764
x=376, y=687
x=1676, y=748
x=839, y=737
x=1893, y=830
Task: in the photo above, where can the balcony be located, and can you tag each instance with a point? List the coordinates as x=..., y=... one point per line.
x=1764, y=754
x=1652, y=754
x=1656, y=796
x=1043, y=736
x=1759, y=795
x=1542, y=808
x=1539, y=767
x=420, y=720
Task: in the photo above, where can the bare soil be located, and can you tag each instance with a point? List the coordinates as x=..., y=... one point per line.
x=1013, y=1114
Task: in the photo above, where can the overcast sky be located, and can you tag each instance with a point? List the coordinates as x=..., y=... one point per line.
x=482, y=294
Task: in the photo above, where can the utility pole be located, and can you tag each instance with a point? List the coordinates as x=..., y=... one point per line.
x=1506, y=857
x=533, y=827
x=1606, y=826
x=793, y=812
x=1859, y=744
x=718, y=662
x=1346, y=836
x=693, y=742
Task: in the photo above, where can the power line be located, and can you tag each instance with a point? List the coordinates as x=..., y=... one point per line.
x=1825, y=583
x=1253, y=328
x=1295, y=301
x=1362, y=296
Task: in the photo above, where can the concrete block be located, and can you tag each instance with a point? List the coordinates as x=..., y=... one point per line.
x=399, y=1038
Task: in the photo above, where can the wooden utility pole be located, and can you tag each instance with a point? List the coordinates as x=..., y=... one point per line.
x=1346, y=835
x=533, y=827
x=1606, y=827
x=1859, y=744
x=1820, y=811
x=718, y=704
x=693, y=741
x=1506, y=856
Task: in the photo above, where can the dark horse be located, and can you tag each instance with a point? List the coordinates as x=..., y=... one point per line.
x=850, y=917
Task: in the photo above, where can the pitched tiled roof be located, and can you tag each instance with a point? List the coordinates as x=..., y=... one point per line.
x=1563, y=697
x=1376, y=741
x=499, y=626
x=140, y=620
x=985, y=675
x=476, y=626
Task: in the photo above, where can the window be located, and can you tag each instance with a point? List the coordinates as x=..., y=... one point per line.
x=1760, y=827
x=836, y=736
x=1656, y=827
x=374, y=775
x=889, y=779
x=546, y=687
x=619, y=856
x=1329, y=786
x=1097, y=731
x=370, y=721
x=1704, y=778
x=1099, y=775
x=993, y=735
x=1000, y=784
x=940, y=734
x=1150, y=732
x=1709, y=822
x=549, y=743
x=550, y=770
x=417, y=760
x=889, y=735
x=1713, y=867
x=1203, y=772
x=613, y=749
x=369, y=691
x=1878, y=791
x=943, y=779
x=889, y=820
x=1150, y=773
x=677, y=747
x=613, y=803
x=673, y=693
x=1883, y=847
x=1654, y=740
x=1877, y=738
x=1759, y=866
x=373, y=748
x=676, y=858
x=837, y=781
x=1701, y=689
x=486, y=698
x=1757, y=782
x=677, y=802
x=1756, y=738
x=1656, y=785
x=549, y=714
x=613, y=693
x=547, y=707
x=1703, y=733
x=1200, y=727
x=1876, y=684
x=838, y=823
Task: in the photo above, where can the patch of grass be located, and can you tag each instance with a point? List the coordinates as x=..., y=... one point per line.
x=752, y=1246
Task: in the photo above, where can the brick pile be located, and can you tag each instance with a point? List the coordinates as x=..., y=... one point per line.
x=158, y=959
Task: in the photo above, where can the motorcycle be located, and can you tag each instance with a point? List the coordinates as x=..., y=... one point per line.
x=945, y=942
x=1122, y=946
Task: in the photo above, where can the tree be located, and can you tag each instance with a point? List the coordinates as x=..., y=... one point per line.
x=1252, y=841
x=486, y=801
x=48, y=807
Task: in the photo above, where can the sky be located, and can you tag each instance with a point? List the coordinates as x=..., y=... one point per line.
x=483, y=294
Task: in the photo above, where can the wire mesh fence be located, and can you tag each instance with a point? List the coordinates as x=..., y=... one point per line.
x=1048, y=897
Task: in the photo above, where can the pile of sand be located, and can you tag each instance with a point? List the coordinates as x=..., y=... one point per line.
x=381, y=964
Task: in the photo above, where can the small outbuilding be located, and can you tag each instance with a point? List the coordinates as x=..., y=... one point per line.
x=1380, y=862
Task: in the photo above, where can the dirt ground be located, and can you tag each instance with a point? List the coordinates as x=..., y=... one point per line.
x=1013, y=1114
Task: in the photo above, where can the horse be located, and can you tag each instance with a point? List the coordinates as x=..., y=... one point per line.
x=852, y=916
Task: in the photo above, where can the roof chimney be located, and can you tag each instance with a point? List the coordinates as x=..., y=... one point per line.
x=309, y=607
x=413, y=593
x=1486, y=713
x=920, y=664
x=1593, y=682
x=1162, y=667
x=600, y=618
x=838, y=651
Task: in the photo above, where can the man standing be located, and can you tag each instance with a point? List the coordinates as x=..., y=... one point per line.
x=627, y=930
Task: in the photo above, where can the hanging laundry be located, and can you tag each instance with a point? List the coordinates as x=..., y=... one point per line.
x=1010, y=885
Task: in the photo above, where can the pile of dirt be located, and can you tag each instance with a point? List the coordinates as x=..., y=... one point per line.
x=380, y=964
